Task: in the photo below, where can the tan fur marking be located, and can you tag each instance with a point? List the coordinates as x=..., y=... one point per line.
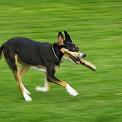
x=18, y=76
x=24, y=69
x=62, y=83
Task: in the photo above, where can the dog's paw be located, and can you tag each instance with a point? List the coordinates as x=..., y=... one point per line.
x=71, y=91
x=41, y=89
x=26, y=97
x=26, y=90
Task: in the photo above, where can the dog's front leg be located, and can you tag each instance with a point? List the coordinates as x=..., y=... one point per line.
x=68, y=88
x=52, y=78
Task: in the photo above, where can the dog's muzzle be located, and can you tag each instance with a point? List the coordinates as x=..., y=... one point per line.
x=76, y=56
x=82, y=55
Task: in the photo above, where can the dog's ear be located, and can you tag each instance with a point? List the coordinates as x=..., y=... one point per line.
x=67, y=37
x=60, y=38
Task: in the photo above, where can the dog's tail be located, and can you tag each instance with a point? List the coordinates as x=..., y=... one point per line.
x=1, y=50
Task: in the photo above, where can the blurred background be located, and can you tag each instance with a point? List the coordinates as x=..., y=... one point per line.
x=96, y=27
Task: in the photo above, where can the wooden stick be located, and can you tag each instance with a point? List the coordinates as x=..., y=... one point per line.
x=88, y=64
x=82, y=61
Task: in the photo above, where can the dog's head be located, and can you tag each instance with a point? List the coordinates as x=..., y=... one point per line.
x=70, y=50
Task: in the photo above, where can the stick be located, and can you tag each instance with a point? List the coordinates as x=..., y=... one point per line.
x=88, y=64
x=82, y=61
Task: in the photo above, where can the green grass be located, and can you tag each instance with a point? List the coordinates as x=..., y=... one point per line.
x=96, y=27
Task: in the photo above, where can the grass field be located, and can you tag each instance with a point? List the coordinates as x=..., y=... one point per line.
x=96, y=27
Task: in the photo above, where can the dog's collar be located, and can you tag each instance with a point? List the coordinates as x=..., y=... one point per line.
x=55, y=54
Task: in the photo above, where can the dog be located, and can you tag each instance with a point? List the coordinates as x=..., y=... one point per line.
x=44, y=56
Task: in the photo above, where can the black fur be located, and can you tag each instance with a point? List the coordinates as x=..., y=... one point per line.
x=1, y=49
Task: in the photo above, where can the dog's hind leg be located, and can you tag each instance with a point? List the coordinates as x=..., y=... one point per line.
x=18, y=75
x=12, y=61
x=46, y=85
x=24, y=69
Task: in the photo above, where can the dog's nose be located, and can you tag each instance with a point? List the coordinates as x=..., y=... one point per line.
x=82, y=55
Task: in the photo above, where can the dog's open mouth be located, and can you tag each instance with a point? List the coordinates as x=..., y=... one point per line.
x=75, y=59
x=77, y=56
x=74, y=56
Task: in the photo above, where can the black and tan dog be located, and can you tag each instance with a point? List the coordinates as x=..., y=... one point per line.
x=44, y=56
